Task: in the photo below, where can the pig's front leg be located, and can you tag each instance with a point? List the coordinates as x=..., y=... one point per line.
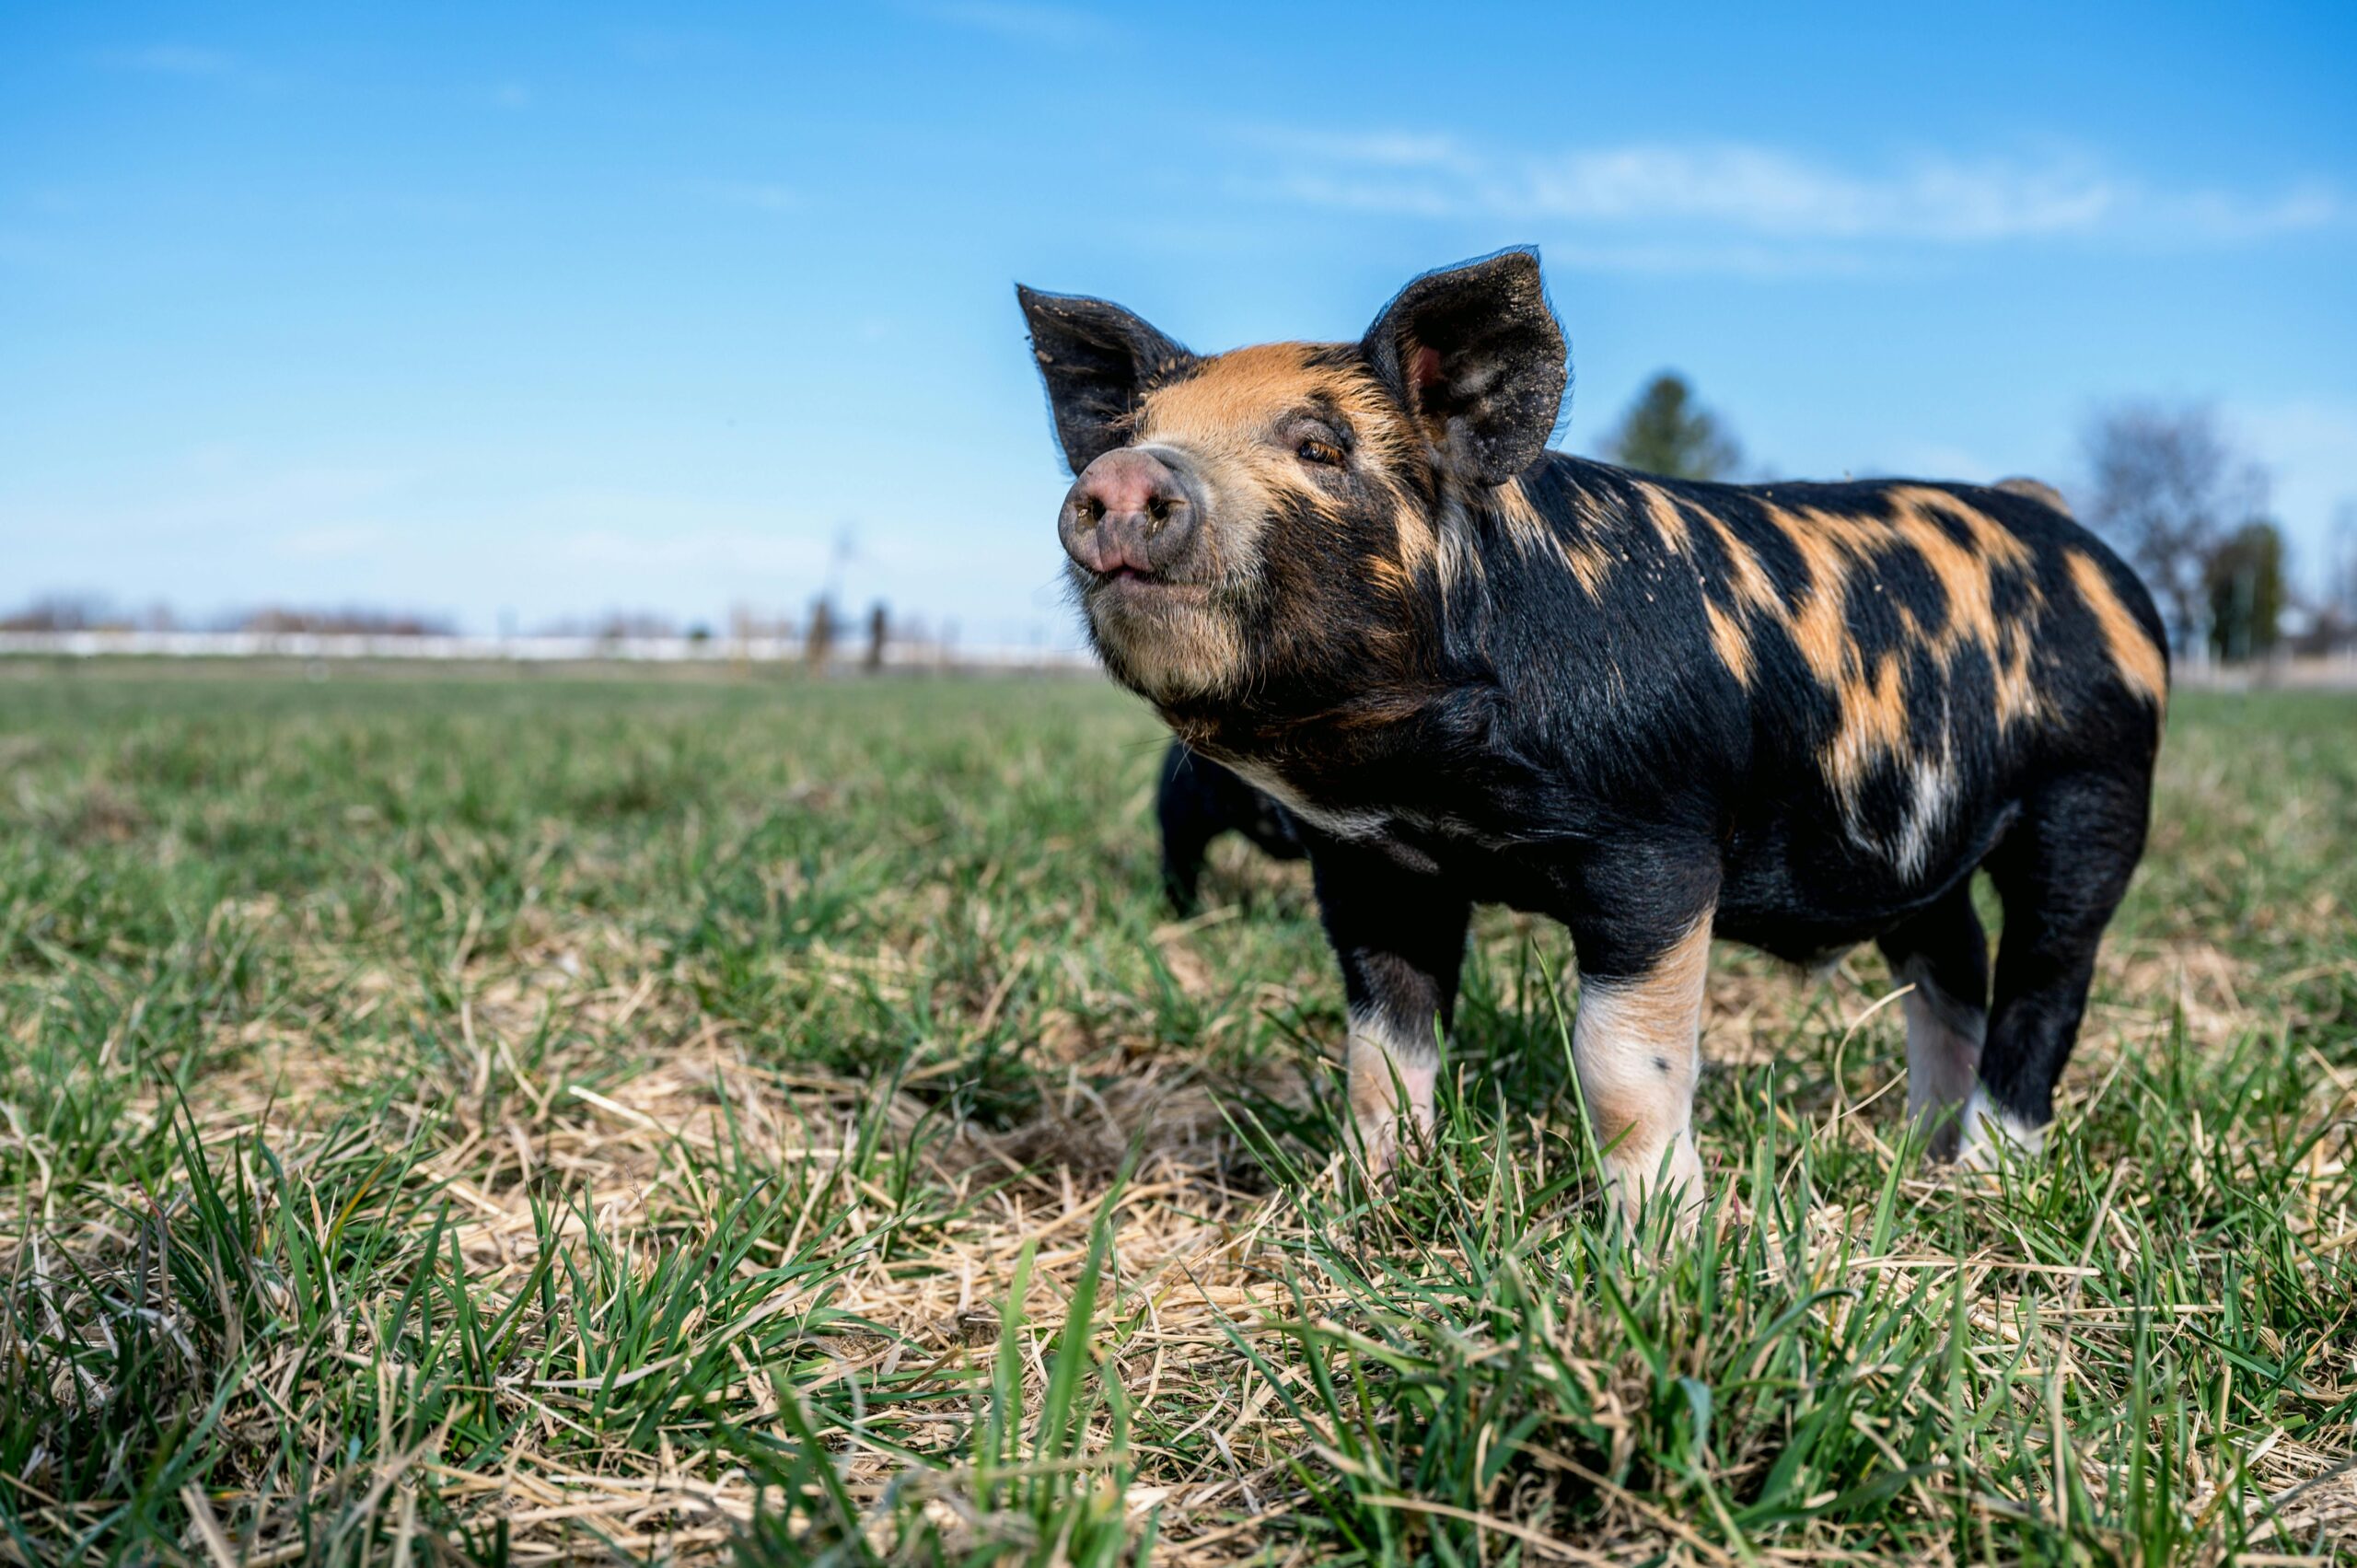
x=1643, y=934
x=1399, y=936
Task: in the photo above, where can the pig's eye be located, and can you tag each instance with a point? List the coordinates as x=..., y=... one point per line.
x=1323, y=453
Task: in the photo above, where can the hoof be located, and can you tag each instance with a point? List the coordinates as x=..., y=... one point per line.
x=1991, y=1136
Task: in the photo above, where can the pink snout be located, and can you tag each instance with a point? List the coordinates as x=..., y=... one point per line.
x=1128, y=512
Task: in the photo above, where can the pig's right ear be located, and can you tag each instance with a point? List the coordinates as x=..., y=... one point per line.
x=1098, y=360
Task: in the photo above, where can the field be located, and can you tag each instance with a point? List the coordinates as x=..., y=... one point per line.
x=508, y=1120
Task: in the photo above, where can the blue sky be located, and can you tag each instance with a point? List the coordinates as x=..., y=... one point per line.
x=551, y=309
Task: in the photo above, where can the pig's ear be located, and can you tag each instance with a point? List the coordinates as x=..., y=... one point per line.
x=1474, y=352
x=1097, y=359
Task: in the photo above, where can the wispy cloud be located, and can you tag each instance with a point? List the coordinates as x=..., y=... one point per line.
x=1712, y=257
x=759, y=195
x=179, y=59
x=191, y=62
x=2217, y=215
x=666, y=45
x=1057, y=26
x=1725, y=190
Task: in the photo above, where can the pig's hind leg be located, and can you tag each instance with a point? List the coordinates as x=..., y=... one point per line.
x=1942, y=955
x=2061, y=872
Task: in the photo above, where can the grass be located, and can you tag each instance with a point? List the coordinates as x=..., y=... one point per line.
x=511, y=1119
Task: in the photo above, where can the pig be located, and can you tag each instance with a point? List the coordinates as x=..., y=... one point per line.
x=1198, y=801
x=1479, y=670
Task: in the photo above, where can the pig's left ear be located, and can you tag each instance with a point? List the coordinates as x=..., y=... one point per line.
x=1097, y=359
x=1476, y=355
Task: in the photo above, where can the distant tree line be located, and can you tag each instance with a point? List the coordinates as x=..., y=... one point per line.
x=89, y=612
x=821, y=635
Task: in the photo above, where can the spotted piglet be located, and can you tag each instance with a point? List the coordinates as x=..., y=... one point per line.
x=1478, y=670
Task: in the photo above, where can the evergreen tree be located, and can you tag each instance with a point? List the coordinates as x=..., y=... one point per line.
x=1668, y=432
x=2246, y=580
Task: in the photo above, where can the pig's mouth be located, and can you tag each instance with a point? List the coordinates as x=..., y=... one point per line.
x=1130, y=581
x=1161, y=636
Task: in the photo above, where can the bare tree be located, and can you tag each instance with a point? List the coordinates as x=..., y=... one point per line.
x=818, y=648
x=2340, y=592
x=2169, y=487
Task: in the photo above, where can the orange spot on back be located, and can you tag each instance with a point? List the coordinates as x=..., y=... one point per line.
x=1837, y=547
x=1754, y=594
x=1874, y=723
x=1733, y=644
x=1667, y=520
x=2133, y=653
x=1532, y=534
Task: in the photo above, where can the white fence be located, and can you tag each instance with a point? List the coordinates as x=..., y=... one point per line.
x=848, y=652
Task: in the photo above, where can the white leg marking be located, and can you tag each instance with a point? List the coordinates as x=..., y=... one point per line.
x=1635, y=1044
x=1944, y=1040
x=1993, y=1134
x=1383, y=1061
